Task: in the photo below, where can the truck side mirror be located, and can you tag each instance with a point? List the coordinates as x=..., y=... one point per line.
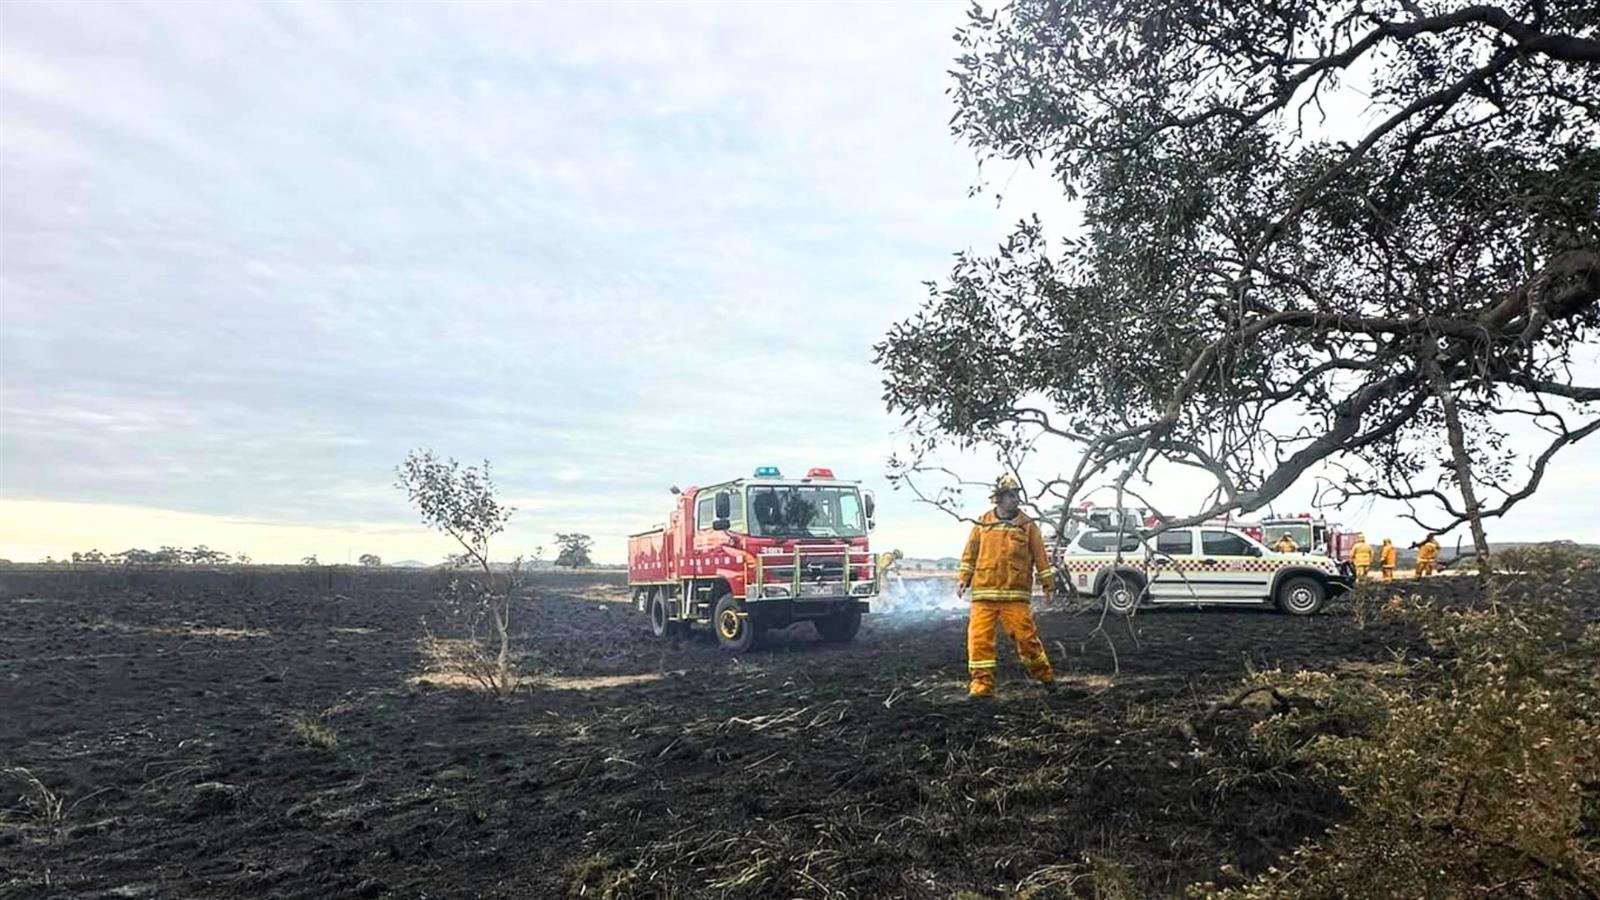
x=724, y=505
x=870, y=504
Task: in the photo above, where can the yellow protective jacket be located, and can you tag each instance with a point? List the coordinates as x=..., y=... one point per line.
x=1002, y=558
x=1286, y=545
x=1428, y=552
x=1387, y=556
x=1361, y=555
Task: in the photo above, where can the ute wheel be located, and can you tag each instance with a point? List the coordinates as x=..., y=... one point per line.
x=736, y=631
x=1301, y=595
x=661, y=624
x=839, y=627
x=1122, y=593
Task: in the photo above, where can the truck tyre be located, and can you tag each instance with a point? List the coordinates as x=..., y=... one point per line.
x=839, y=627
x=1301, y=595
x=661, y=624
x=1122, y=592
x=736, y=630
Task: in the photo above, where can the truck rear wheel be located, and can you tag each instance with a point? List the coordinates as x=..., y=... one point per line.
x=839, y=627
x=1122, y=592
x=661, y=624
x=736, y=630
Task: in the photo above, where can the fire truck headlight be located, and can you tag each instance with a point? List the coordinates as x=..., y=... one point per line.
x=775, y=590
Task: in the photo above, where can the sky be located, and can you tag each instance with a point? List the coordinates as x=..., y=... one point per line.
x=251, y=254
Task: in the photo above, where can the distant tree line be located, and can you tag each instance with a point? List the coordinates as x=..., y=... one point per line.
x=200, y=555
x=574, y=553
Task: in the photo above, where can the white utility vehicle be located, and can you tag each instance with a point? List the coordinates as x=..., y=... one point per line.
x=1203, y=565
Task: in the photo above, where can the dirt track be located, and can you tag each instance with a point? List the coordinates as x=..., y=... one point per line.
x=803, y=769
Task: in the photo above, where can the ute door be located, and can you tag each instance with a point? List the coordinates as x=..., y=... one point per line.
x=1234, y=569
x=1172, y=566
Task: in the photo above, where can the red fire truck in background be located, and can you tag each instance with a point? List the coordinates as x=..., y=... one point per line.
x=757, y=553
x=1136, y=519
x=1312, y=534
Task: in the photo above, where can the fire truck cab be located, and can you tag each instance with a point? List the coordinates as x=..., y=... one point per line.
x=1314, y=535
x=756, y=553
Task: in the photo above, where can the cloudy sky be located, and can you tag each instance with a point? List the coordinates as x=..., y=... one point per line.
x=250, y=254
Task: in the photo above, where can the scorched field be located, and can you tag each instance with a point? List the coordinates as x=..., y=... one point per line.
x=245, y=733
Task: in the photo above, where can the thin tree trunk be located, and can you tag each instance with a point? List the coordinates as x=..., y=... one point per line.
x=1463, y=463
x=502, y=624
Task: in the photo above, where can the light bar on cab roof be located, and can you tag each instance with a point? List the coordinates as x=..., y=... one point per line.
x=768, y=472
x=820, y=473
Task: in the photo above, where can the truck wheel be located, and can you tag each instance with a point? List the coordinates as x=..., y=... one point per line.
x=736, y=631
x=839, y=627
x=1301, y=595
x=1122, y=592
x=661, y=624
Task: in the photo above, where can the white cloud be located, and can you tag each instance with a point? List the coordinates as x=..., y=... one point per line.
x=251, y=254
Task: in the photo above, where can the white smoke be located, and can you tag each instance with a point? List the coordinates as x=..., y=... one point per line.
x=919, y=598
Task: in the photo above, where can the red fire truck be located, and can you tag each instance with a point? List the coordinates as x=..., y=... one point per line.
x=1134, y=519
x=757, y=553
x=1312, y=534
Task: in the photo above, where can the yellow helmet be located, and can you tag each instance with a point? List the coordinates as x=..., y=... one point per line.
x=1006, y=482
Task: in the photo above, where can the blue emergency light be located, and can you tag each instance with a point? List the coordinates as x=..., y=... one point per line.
x=768, y=472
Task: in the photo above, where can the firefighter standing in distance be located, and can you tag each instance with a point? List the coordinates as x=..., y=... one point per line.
x=1427, y=557
x=1361, y=557
x=1386, y=555
x=1286, y=543
x=1003, y=555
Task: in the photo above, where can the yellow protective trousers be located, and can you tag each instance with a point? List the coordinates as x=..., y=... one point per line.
x=1017, y=619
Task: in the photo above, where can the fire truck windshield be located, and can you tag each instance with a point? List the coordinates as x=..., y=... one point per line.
x=805, y=511
x=1300, y=531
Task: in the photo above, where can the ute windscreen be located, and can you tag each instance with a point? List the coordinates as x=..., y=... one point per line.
x=805, y=511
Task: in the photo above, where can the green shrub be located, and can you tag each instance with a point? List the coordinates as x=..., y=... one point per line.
x=1484, y=775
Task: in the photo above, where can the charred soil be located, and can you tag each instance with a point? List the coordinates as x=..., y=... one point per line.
x=227, y=735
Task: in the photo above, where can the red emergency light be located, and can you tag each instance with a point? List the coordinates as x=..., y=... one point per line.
x=820, y=473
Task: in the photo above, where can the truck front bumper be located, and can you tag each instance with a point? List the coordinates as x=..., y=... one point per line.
x=817, y=600
x=1343, y=582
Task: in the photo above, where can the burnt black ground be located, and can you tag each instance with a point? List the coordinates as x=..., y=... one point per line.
x=803, y=769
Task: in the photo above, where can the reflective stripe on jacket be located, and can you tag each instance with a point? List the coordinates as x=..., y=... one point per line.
x=1002, y=558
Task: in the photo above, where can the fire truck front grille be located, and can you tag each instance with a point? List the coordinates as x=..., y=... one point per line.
x=826, y=568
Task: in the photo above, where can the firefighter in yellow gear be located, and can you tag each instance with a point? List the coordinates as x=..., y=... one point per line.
x=886, y=564
x=1286, y=543
x=1004, y=555
x=1361, y=557
x=1386, y=557
x=1427, y=557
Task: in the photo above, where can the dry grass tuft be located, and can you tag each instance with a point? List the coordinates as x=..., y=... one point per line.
x=315, y=734
x=465, y=662
x=38, y=803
